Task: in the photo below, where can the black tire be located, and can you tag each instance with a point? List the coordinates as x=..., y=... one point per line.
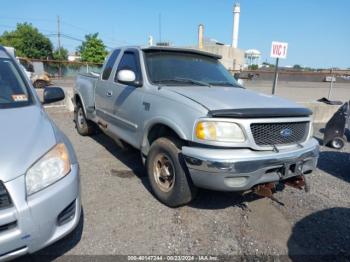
x=40, y=84
x=181, y=190
x=84, y=126
x=338, y=143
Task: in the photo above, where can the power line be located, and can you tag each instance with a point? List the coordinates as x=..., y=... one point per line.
x=59, y=33
x=26, y=18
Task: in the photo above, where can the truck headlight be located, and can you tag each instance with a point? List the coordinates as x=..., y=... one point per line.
x=48, y=169
x=219, y=131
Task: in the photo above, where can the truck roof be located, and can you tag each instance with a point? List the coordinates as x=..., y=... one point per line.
x=174, y=49
x=180, y=50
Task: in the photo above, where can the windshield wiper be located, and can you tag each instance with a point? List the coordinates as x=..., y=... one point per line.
x=182, y=80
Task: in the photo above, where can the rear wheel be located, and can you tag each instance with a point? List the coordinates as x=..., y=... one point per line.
x=338, y=143
x=84, y=126
x=168, y=173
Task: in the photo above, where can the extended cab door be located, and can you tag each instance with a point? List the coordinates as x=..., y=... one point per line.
x=104, y=86
x=125, y=103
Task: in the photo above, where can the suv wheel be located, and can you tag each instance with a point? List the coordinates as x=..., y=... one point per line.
x=168, y=174
x=84, y=127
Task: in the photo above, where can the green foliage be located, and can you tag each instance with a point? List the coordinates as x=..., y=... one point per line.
x=28, y=41
x=60, y=54
x=92, y=49
x=253, y=67
x=268, y=65
x=297, y=67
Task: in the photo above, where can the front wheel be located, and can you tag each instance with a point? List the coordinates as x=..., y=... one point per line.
x=83, y=125
x=168, y=174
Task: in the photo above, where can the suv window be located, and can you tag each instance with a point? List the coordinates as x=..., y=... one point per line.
x=13, y=91
x=109, y=65
x=130, y=61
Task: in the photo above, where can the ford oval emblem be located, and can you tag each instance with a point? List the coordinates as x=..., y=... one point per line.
x=287, y=132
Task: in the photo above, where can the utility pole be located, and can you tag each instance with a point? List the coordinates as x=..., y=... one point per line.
x=59, y=43
x=160, y=27
x=59, y=35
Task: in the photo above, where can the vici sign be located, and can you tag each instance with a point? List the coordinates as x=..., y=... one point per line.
x=279, y=50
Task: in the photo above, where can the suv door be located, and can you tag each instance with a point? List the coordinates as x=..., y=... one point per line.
x=104, y=86
x=126, y=102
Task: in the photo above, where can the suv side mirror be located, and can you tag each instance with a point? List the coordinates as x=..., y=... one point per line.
x=127, y=77
x=53, y=94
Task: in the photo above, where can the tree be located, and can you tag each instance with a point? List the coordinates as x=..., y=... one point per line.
x=253, y=67
x=60, y=54
x=298, y=67
x=28, y=41
x=92, y=49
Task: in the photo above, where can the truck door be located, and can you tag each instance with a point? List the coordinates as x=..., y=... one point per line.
x=104, y=86
x=126, y=101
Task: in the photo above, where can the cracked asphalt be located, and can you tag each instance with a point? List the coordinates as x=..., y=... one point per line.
x=121, y=217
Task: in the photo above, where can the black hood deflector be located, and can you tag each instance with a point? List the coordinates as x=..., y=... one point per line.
x=261, y=112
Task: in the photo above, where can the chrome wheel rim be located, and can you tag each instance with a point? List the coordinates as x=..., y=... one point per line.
x=80, y=118
x=164, y=172
x=337, y=144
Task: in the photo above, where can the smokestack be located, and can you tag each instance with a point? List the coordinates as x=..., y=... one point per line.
x=150, y=40
x=200, y=36
x=236, y=12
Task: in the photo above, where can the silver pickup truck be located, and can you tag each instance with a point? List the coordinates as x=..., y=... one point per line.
x=194, y=125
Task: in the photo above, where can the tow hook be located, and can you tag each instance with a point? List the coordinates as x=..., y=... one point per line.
x=298, y=182
x=266, y=190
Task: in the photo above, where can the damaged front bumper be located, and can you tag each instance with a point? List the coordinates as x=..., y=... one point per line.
x=242, y=169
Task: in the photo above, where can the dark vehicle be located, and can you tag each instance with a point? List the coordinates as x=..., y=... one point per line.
x=334, y=134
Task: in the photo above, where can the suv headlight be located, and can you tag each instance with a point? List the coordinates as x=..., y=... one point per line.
x=48, y=169
x=219, y=131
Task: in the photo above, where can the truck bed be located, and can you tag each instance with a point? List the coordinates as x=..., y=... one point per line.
x=85, y=87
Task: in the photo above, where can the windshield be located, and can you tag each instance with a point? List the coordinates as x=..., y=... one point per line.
x=175, y=68
x=13, y=92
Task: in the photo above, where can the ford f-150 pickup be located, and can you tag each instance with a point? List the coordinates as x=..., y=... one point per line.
x=194, y=125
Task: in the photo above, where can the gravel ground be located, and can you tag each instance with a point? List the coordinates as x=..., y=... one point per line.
x=122, y=217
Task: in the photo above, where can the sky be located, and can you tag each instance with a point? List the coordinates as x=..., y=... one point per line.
x=317, y=31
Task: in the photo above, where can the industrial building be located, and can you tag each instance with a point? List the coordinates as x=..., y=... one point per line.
x=233, y=58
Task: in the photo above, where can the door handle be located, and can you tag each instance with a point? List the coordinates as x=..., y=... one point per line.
x=109, y=93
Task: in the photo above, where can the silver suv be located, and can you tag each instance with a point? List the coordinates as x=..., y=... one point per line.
x=39, y=172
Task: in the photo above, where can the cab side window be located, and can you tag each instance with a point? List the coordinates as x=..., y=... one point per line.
x=130, y=61
x=109, y=65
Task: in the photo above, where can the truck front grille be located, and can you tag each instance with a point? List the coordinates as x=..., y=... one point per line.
x=5, y=200
x=274, y=134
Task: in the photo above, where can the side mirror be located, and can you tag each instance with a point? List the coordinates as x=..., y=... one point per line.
x=53, y=94
x=126, y=76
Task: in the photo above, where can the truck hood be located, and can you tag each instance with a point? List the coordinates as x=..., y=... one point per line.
x=26, y=135
x=221, y=98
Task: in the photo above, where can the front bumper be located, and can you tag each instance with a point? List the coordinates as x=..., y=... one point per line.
x=37, y=220
x=242, y=169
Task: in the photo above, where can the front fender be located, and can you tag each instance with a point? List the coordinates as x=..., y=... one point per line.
x=176, y=127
